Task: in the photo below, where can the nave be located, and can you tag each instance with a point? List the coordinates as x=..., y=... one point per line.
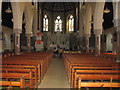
x=87, y=34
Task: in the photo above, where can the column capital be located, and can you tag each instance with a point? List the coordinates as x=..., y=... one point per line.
x=87, y=35
x=28, y=34
x=98, y=32
x=17, y=31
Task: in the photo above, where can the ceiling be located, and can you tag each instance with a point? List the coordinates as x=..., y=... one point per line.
x=59, y=6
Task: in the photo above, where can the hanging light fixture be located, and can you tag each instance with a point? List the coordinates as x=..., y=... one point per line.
x=106, y=10
x=91, y=22
x=8, y=10
x=83, y=5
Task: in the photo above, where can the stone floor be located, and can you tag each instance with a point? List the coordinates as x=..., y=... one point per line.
x=55, y=76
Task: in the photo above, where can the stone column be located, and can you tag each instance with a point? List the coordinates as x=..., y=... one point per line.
x=76, y=23
x=81, y=42
x=1, y=49
x=0, y=28
x=40, y=18
x=97, y=32
x=17, y=33
x=97, y=46
x=87, y=36
x=81, y=29
x=113, y=44
x=28, y=42
x=118, y=45
x=117, y=25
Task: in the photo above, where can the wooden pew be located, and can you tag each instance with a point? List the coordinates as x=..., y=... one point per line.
x=91, y=65
x=21, y=83
x=92, y=69
x=23, y=67
x=76, y=60
x=111, y=56
x=27, y=61
x=109, y=83
x=23, y=70
x=31, y=58
x=85, y=63
x=94, y=72
x=27, y=76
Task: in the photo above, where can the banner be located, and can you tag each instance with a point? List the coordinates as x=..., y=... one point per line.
x=39, y=38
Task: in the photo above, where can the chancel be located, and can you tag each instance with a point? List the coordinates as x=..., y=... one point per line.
x=61, y=45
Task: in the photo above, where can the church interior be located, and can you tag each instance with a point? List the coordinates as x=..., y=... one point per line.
x=60, y=45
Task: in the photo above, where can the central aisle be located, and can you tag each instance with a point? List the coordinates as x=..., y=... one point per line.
x=55, y=76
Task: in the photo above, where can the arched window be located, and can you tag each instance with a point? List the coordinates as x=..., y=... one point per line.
x=71, y=23
x=58, y=24
x=45, y=23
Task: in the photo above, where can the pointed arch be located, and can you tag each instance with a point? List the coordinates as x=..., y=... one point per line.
x=45, y=23
x=71, y=23
x=58, y=24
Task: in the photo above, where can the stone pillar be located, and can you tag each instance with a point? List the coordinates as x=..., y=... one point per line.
x=97, y=32
x=118, y=45
x=40, y=18
x=17, y=33
x=81, y=29
x=97, y=46
x=1, y=39
x=0, y=28
x=17, y=44
x=81, y=42
x=28, y=42
x=113, y=44
x=76, y=23
x=117, y=25
x=87, y=36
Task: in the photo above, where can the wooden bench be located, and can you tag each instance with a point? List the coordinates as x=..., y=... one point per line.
x=111, y=56
x=109, y=83
x=94, y=65
x=93, y=72
x=116, y=69
x=22, y=70
x=20, y=83
x=7, y=54
x=36, y=62
x=27, y=76
x=79, y=64
x=44, y=62
x=23, y=67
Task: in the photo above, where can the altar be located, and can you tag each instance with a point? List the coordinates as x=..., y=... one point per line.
x=51, y=40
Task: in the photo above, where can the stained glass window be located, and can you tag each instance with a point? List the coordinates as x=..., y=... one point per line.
x=71, y=23
x=45, y=23
x=58, y=24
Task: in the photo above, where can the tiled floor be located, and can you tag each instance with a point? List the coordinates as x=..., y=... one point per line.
x=55, y=76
